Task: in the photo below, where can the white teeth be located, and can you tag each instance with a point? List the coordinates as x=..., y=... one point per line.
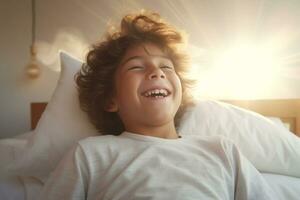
x=155, y=93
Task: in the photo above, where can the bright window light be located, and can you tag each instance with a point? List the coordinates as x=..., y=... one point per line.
x=244, y=71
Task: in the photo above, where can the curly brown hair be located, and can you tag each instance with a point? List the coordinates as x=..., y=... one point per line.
x=95, y=80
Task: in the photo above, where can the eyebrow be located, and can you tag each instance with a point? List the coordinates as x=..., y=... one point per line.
x=141, y=57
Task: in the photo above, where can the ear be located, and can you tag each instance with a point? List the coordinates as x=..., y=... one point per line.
x=111, y=106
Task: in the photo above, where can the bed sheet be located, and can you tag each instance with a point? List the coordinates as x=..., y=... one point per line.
x=20, y=188
x=286, y=187
x=16, y=187
x=12, y=189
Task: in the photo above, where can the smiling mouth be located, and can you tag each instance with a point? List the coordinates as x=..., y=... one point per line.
x=156, y=93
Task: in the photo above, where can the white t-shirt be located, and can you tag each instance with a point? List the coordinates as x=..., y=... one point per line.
x=132, y=166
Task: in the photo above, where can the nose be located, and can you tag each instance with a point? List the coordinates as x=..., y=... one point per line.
x=156, y=73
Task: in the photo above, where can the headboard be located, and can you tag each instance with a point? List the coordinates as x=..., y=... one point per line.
x=36, y=111
x=288, y=110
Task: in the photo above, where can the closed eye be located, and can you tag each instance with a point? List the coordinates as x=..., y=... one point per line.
x=166, y=67
x=136, y=68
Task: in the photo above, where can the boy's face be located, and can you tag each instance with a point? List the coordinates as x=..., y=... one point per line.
x=147, y=89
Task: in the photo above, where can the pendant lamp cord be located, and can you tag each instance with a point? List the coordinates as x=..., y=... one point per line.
x=33, y=21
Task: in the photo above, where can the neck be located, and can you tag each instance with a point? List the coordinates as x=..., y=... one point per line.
x=167, y=132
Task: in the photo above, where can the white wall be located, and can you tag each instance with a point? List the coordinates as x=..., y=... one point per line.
x=16, y=90
x=74, y=24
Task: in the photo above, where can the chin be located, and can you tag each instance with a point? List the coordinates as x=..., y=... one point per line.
x=160, y=120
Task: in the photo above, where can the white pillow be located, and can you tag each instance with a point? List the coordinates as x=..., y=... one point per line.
x=270, y=148
x=276, y=121
x=62, y=124
x=10, y=149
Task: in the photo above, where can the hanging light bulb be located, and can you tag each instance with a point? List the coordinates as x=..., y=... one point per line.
x=33, y=70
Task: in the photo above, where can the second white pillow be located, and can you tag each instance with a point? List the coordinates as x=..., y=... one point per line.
x=269, y=147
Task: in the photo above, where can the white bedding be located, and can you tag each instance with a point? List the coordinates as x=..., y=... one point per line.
x=20, y=188
x=12, y=189
x=286, y=187
x=17, y=187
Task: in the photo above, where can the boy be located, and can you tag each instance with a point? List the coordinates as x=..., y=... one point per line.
x=134, y=89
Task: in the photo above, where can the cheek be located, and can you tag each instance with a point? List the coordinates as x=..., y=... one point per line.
x=179, y=90
x=127, y=87
x=177, y=85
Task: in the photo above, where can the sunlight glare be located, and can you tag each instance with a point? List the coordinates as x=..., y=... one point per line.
x=244, y=70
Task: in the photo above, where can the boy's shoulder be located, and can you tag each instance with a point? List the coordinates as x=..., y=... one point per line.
x=98, y=145
x=103, y=142
x=213, y=141
x=209, y=138
x=97, y=140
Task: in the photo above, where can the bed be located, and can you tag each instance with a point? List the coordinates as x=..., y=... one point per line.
x=273, y=126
